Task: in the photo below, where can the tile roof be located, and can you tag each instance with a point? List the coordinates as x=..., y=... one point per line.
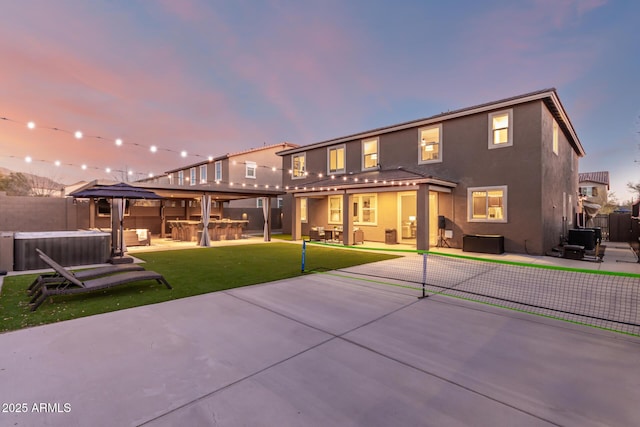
x=597, y=177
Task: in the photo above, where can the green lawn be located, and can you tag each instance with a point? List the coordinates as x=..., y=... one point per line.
x=190, y=272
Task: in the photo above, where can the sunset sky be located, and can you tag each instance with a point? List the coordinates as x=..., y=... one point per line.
x=212, y=77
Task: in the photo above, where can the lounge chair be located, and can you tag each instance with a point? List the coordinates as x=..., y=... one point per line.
x=75, y=286
x=92, y=273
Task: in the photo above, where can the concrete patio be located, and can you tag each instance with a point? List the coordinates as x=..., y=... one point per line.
x=318, y=350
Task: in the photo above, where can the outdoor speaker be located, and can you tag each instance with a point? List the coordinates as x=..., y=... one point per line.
x=441, y=222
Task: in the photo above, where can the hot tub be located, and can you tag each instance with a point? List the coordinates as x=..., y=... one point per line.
x=66, y=247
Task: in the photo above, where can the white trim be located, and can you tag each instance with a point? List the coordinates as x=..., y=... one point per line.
x=344, y=159
x=203, y=180
x=304, y=165
x=329, y=220
x=250, y=166
x=509, y=142
x=193, y=177
x=358, y=198
x=555, y=137
x=424, y=128
x=377, y=153
x=505, y=210
x=217, y=167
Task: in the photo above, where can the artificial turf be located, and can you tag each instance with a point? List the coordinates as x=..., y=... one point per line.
x=190, y=272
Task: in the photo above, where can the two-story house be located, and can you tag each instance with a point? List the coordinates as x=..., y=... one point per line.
x=253, y=168
x=507, y=168
x=594, y=187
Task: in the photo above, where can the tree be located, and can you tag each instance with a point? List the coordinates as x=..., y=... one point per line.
x=634, y=188
x=612, y=204
x=15, y=184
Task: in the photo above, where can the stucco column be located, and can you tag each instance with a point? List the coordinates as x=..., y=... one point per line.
x=422, y=226
x=347, y=215
x=296, y=225
x=266, y=206
x=92, y=213
x=163, y=221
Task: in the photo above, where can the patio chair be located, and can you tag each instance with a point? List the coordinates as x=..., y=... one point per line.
x=74, y=286
x=58, y=278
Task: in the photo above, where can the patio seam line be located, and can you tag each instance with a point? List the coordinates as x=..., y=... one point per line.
x=404, y=306
x=331, y=337
x=349, y=341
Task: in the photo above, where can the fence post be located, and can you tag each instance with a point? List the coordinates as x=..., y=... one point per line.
x=424, y=275
x=304, y=253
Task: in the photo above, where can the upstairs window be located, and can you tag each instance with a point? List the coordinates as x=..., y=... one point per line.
x=370, y=154
x=555, y=137
x=298, y=166
x=192, y=176
x=170, y=179
x=218, y=170
x=180, y=177
x=430, y=144
x=336, y=159
x=589, y=191
x=250, y=169
x=203, y=174
x=501, y=129
x=488, y=204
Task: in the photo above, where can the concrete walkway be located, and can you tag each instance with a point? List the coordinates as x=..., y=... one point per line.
x=318, y=350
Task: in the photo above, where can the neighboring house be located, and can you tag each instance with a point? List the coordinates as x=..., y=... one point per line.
x=594, y=186
x=507, y=168
x=254, y=168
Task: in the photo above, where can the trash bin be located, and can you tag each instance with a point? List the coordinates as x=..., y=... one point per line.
x=6, y=251
x=390, y=236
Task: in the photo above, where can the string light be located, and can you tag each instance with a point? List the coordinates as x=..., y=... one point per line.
x=153, y=148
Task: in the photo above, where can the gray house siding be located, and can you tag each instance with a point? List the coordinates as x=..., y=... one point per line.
x=539, y=183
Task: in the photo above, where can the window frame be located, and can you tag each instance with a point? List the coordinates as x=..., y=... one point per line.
x=555, y=138
x=509, y=142
x=203, y=174
x=336, y=171
x=487, y=189
x=304, y=209
x=377, y=153
x=340, y=210
x=358, y=212
x=250, y=166
x=217, y=171
x=192, y=176
x=301, y=174
x=180, y=178
x=420, y=130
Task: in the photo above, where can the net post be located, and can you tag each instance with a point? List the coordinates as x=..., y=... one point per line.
x=304, y=253
x=424, y=275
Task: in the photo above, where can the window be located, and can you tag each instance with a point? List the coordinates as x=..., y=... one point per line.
x=180, y=177
x=430, y=144
x=488, y=204
x=250, y=170
x=336, y=159
x=589, y=191
x=370, y=154
x=364, y=209
x=501, y=129
x=203, y=174
x=170, y=179
x=280, y=202
x=555, y=137
x=303, y=209
x=259, y=202
x=192, y=176
x=298, y=166
x=218, y=170
x=335, y=209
